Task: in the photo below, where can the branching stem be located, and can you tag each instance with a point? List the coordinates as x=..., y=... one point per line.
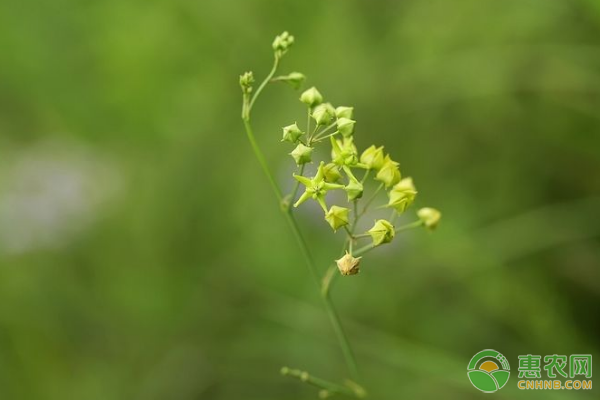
x=412, y=225
x=332, y=388
x=296, y=185
x=263, y=84
x=317, y=187
x=288, y=212
x=325, y=130
x=320, y=138
x=368, y=203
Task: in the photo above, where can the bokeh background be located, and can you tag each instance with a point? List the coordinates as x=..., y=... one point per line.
x=142, y=255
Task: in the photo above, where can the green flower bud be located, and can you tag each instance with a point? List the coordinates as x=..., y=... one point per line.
x=344, y=112
x=402, y=195
x=344, y=152
x=316, y=187
x=311, y=97
x=323, y=114
x=295, y=79
x=430, y=217
x=373, y=157
x=302, y=154
x=246, y=81
x=291, y=133
x=382, y=232
x=337, y=217
x=348, y=265
x=282, y=43
x=345, y=126
x=354, y=189
x=389, y=173
x=332, y=173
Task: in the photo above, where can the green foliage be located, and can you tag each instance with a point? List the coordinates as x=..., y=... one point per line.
x=166, y=282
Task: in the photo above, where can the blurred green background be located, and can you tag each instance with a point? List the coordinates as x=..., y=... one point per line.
x=142, y=255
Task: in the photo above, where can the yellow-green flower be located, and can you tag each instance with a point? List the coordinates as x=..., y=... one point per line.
x=302, y=154
x=354, y=189
x=316, y=187
x=382, y=232
x=343, y=152
x=402, y=195
x=337, y=217
x=323, y=114
x=430, y=217
x=311, y=97
x=345, y=126
x=332, y=173
x=389, y=173
x=282, y=43
x=246, y=81
x=291, y=133
x=373, y=157
x=344, y=112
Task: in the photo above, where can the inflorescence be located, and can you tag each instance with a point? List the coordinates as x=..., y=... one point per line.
x=346, y=170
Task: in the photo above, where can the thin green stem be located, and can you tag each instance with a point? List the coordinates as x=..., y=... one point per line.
x=339, y=331
x=320, y=138
x=296, y=185
x=307, y=121
x=322, y=383
x=310, y=262
x=373, y=196
x=261, y=159
x=349, y=232
x=328, y=279
x=364, y=250
x=329, y=307
x=289, y=217
x=393, y=216
x=368, y=203
x=245, y=105
x=322, y=132
x=331, y=312
x=312, y=135
x=335, y=319
x=364, y=178
x=412, y=225
x=263, y=85
x=333, y=316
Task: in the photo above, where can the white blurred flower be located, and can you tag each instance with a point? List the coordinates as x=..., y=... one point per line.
x=49, y=193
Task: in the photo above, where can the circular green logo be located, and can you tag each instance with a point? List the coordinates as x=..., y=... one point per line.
x=488, y=371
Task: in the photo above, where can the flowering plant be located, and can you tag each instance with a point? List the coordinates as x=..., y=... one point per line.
x=347, y=171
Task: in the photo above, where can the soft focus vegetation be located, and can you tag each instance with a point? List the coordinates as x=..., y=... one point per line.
x=142, y=255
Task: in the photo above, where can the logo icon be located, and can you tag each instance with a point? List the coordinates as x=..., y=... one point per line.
x=488, y=371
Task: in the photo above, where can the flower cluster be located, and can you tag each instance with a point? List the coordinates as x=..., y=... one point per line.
x=282, y=43
x=347, y=170
x=246, y=82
